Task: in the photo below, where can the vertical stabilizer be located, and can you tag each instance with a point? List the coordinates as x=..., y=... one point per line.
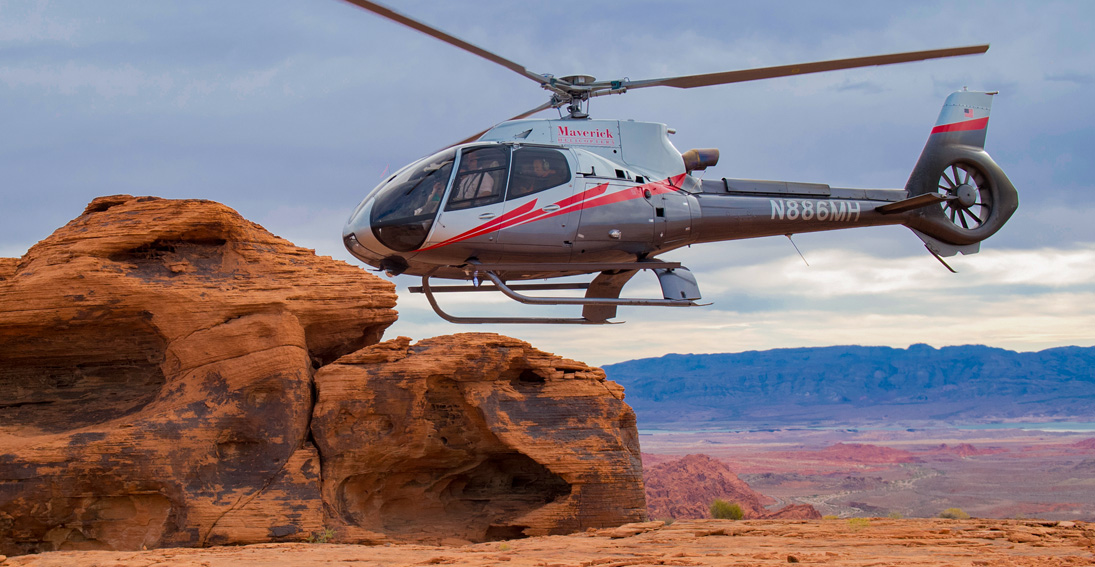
x=978, y=197
x=964, y=119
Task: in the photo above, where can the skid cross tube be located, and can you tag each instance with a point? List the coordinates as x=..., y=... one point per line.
x=584, y=300
x=428, y=292
x=510, y=291
x=463, y=288
x=576, y=268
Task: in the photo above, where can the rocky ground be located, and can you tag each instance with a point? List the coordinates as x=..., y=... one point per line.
x=857, y=542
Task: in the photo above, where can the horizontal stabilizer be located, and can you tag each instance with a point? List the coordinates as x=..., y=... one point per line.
x=940, y=248
x=911, y=204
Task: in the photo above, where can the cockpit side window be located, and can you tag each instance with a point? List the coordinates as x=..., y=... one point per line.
x=481, y=179
x=537, y=169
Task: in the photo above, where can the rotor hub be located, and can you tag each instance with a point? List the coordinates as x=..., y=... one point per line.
x=967, y=195
x=577, y=80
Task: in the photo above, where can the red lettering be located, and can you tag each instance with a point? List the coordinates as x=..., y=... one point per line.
x=566, y=131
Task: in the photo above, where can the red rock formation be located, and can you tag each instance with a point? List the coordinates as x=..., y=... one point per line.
x=157, y=358
x=473, y=436
x=1084, y=444
x=685, y=489
x=963, y=450
x=157, y=362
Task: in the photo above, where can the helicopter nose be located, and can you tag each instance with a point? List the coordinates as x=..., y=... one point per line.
x=353, y=224
x=357, y=235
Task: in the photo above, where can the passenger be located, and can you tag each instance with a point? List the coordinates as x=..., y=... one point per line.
x=433, y=199
x=541, y=168
x=535, y=179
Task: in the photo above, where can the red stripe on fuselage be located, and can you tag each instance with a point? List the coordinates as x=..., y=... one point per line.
x=639, y=191
x=486, y=227
x=587, y=194
x=593, y=197
x=520, y=215
x=977, y=124
x=567, y=205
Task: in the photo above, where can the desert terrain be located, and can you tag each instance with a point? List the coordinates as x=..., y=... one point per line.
x=988, y=473
x=757, y=543
x=196, y=398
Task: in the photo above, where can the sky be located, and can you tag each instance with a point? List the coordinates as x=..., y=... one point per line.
x=290, y=111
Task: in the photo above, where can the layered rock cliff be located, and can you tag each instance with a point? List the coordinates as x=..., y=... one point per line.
x=158, y=363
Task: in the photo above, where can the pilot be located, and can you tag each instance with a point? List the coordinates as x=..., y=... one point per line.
x=476, y=183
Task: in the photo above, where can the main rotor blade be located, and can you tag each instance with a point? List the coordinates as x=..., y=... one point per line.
x=436, y=33
x=692, y=81
x=525, y=114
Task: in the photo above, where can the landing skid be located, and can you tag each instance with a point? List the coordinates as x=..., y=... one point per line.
x=601, y=299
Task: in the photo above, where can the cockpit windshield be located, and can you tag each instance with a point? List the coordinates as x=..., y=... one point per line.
x=406, y=205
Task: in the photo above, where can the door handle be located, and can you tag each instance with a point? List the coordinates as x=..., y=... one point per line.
x=551, y=208
x=486, y=216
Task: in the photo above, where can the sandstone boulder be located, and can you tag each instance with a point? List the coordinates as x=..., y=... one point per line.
x=473, y=436
x=156, y=375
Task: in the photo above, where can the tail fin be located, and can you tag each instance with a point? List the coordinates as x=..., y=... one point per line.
x=954, y=164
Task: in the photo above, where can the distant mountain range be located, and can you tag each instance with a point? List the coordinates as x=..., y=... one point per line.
x=855, y=385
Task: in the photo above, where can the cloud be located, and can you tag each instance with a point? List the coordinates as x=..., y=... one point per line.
x=27, y=21
x=73, y=79
x=1078, y=78
x=1017, y=299
x=840, y=272
x=863, y=86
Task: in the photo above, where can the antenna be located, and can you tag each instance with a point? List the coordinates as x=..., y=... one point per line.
x=797, y=250
x=941, y=260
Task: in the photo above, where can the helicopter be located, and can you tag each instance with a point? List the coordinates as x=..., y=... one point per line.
x=536, y=199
